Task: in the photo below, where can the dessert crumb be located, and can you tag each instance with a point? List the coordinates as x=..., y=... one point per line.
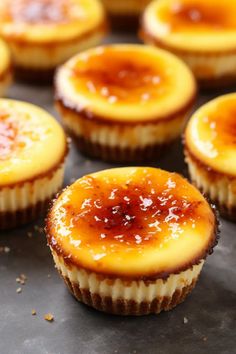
x=33, y=312
x=204, y=339
x=49, y=317
x=21, y=279
x=185, y=320
x=18, y=290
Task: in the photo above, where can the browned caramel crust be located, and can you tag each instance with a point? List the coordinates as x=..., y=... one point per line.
x=12, y=219
x=65, y=105
x=116, y=154
x=128, y=307
x=71, y=261
x=49, y=173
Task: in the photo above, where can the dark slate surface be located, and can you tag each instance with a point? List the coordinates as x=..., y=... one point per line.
x=210, y=312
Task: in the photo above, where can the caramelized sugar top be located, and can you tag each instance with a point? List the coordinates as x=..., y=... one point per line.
x=147, y=209
x=38, y=11
x=182, y=15
x=120, y=75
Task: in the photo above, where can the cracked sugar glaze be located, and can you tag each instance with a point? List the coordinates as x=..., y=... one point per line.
x=211, y=134
x=131, y=221
x=192, y=24
x=126, y=82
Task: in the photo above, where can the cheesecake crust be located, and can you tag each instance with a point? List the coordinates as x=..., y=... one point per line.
x=116, y=154
x=128, y=307
x=11, y=219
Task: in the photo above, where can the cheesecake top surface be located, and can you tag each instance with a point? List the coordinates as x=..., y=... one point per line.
x=32, y=143
x=211, y=134
x=49, y=20
x=125, y=83
x=193, y=24
x=131, y=222
x=5, y=61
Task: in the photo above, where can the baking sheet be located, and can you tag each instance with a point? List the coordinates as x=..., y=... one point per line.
x=204, y=323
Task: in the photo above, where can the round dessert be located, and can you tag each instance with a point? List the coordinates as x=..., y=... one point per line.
x=5, y=68
x=124, y=103
x=210, y=149
x=131, y=241
x=202, y=33
x=125, y=14
x=42, y=34
x=33, y=148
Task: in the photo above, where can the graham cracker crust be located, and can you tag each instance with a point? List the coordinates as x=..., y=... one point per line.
x=128, y=307
x=116, y=154
x=12, y=219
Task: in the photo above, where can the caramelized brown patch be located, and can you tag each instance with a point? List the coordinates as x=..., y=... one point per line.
x=131, y=76
x=131, y=214
x=183, y=15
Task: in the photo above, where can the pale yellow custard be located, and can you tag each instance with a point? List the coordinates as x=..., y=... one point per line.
x=125, y=83
x=192, y=25
x=32, y=143
x=134, y=222
x=210, y=134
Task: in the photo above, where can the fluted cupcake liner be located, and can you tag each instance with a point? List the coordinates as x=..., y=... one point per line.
x=122, y=143
x=23, y=202
x=122, y=297
x=218, y=187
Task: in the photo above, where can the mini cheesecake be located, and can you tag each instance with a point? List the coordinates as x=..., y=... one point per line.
x=125, y=14
x=5, y=68
x=210, y=149
x=33, y=148
x=131, y=241
x=42, y=34
x=202, y=33
x=124, y=103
